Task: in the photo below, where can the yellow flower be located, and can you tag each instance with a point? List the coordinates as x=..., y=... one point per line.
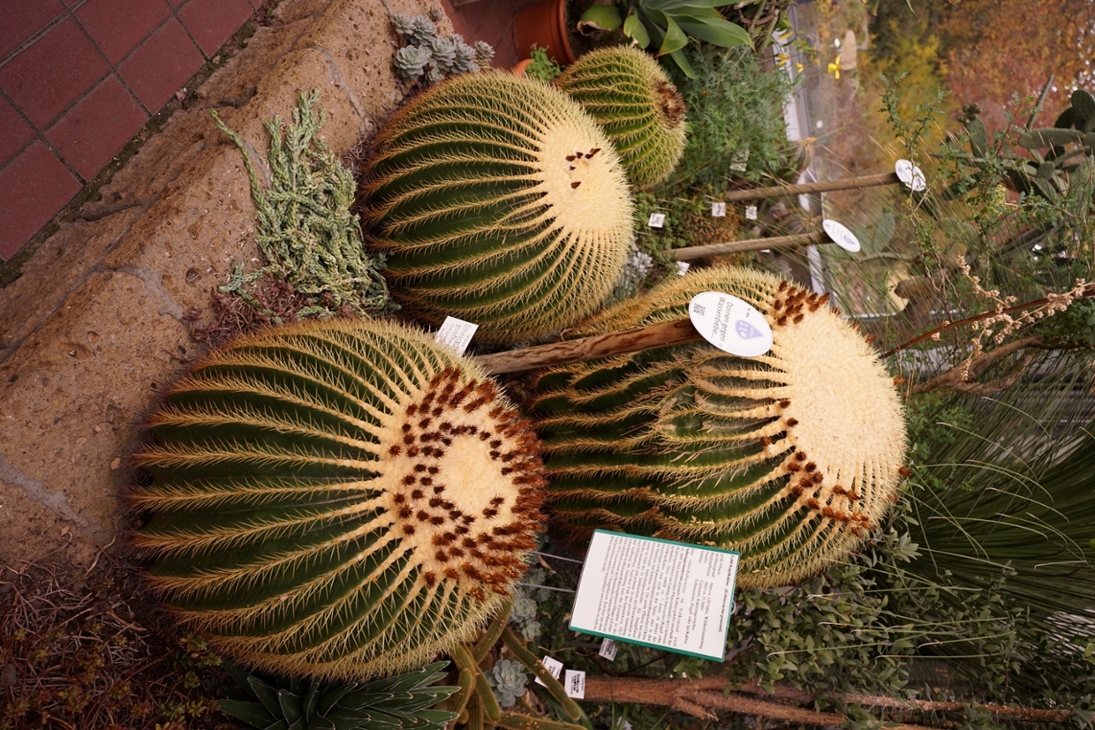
x=783, y=59
x=834, y=67
x=798, y=67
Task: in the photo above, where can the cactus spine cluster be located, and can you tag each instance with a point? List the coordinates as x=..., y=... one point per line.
x=338, y=499
x=791, y=457
x=634, y=101
x=497, y=200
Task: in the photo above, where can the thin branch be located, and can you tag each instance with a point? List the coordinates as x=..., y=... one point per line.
x=962, y=377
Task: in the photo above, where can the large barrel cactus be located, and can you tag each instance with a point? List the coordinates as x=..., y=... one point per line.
x=641, y=111
x=497, y=200
x=338, y=499
x=791, y=457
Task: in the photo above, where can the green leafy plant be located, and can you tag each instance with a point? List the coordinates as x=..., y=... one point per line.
x=338, y=499
x=692, y=443
x=542, y=68
x=639, y=108
x=392, y=703
x=667, y=26
x=497, y=200
x=306, y=233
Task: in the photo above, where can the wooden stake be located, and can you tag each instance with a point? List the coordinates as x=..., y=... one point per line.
x=757, y=244
x=557, y=353
x=781, y=191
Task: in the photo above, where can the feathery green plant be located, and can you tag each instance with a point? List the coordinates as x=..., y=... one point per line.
x=497, y=200
x=338, y=498
x=791, y=457
x=641, y=111
x=394, y=703
x=306, y=232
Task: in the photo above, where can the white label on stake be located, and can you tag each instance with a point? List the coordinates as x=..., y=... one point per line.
x=608, y=649
x=682, y=268
x=575, y=684
x=718, y=210
x=455, y=334
x=730, y=324
x=750, y=212
x=554, y=667
x=657, y=220
x=840, y=235
x=657, y=593
x=910, y=175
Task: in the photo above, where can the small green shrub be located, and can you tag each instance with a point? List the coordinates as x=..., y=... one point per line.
x=542, y=67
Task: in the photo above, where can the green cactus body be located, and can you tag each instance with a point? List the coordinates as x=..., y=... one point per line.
x=791, y=457
x=633, y=100
x=499, y=201
x=338, y=499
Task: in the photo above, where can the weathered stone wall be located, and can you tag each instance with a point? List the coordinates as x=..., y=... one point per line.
x=93, y=330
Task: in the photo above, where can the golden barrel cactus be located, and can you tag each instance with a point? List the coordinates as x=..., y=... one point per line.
x=338, y=499
x=792, y=457
x=497, y=200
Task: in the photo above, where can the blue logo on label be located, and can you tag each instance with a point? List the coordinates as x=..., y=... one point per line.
x=747, y=331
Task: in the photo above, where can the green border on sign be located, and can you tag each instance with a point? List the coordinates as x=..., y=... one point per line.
x=725, y=629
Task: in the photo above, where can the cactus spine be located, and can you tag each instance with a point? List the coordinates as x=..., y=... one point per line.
x=639, y=108
x=338, y=499
x=791, y=457
x=499, y=201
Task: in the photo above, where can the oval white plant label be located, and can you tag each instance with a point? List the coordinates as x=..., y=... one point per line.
x=840, y=235
x=910, y=175
x=730, y=324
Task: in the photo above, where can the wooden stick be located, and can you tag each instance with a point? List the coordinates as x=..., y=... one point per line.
x=757, y=244
x=780, y=191
x=556, y=353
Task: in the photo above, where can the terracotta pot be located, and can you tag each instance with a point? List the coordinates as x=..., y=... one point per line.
x=519, y=69
x=544, y=25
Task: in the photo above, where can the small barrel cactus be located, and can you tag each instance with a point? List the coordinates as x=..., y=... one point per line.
x=497, y=200
x=791, y=457
x=630, y=96
x=338, y=499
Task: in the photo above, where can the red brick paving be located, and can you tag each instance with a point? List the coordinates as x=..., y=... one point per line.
x=100, y=125
x=36, y=185
x=78, y=78
x=117, y=26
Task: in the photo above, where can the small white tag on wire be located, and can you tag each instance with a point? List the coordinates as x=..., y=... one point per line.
x=839, y=234
x=718, y=210
x=455, y=334
x=750, y=212
x=554, y=667
x=608, y=649
x=730, y=324
x=657, y=220
x=575, y=684
x=682, y=268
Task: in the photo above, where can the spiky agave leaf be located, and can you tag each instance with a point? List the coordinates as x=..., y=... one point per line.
x=395, y=703
x=641, y=111
x=338, y=498
x=791, y=457
x=497, y=200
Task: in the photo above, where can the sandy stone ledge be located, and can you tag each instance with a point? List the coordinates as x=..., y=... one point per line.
x=93, y=329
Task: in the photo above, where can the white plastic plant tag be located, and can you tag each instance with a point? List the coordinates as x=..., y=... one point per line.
x=718, y=210
x=657, y=593
x=657, y=220
x=554, y=667
x=750, y=212
x=455, y=334
x=841, y=236
x=575, y=684
x=730, y=324
x=608, y=649
x=682, y=268
x=911, y=175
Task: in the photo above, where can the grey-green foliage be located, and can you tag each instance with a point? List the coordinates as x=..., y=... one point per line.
x=507, y=679
x=305, y=230
x=524, y=616
x=394, y=703
x=429, y=57
x=735, y=107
